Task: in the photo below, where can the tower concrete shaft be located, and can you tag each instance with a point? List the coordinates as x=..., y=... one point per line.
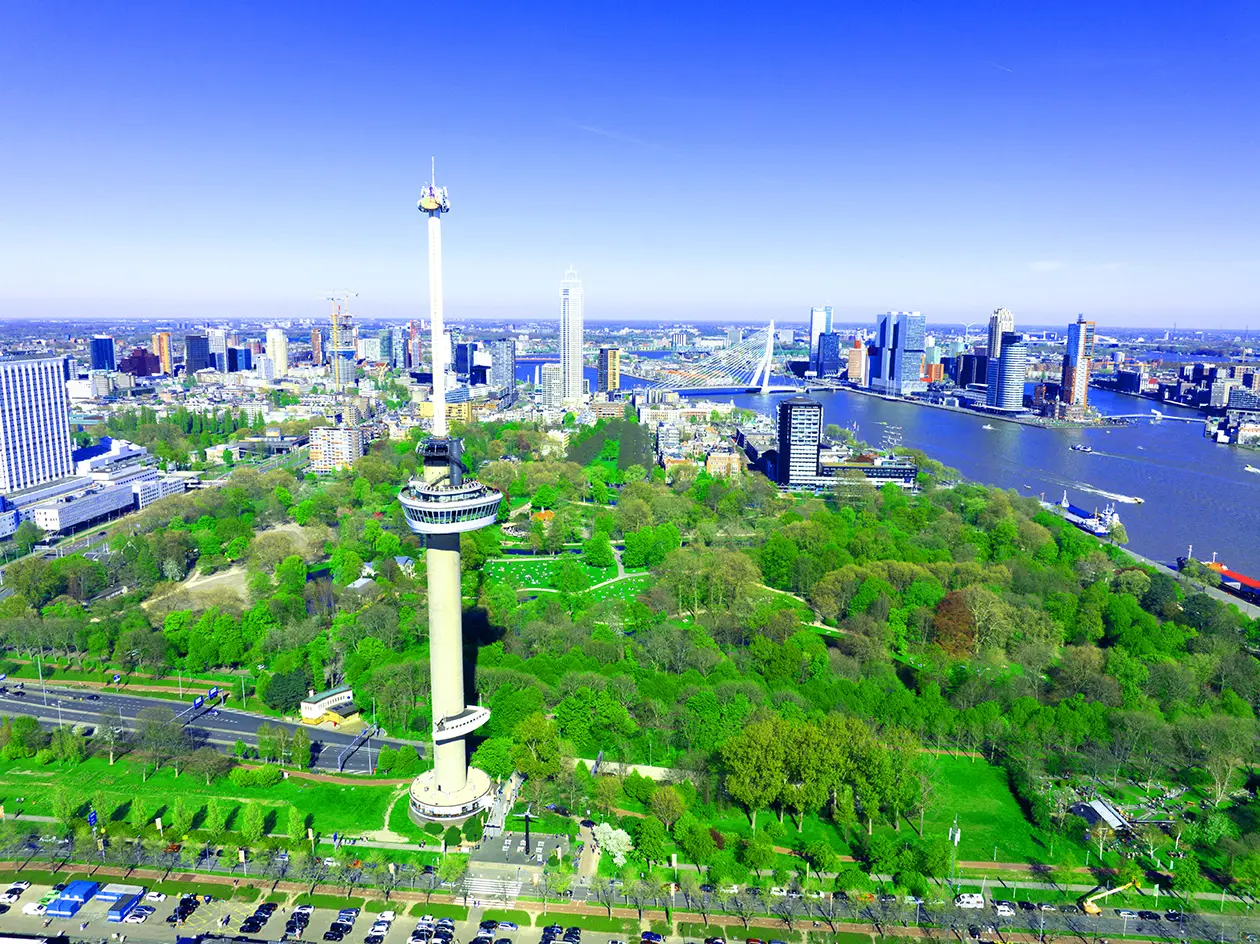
x=440, y=505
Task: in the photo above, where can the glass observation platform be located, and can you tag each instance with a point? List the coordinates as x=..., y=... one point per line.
x=444, y=508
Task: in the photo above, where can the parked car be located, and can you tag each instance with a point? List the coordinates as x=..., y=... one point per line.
x=155, y=896
x=1149, y=915
x=508, y=926
x=1126, y=913
x=33, y=908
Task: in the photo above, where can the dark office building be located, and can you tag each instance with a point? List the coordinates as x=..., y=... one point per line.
x=833, y=355
x=196, y=353
x=464, y=353
x=972, y=368
x=238, y=359
x=140, y=363
x=103, y=357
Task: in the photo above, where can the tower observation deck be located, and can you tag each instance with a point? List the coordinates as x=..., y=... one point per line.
x=441, y=503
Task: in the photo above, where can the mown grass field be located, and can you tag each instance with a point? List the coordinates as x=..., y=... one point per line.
x=538, y=572
x=351, y=809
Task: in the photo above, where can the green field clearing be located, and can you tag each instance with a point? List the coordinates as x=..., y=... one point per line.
x=537, y=572
x=347, y=809
x=627, y=589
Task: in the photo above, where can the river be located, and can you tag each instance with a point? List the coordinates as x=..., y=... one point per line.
x=1195, y=491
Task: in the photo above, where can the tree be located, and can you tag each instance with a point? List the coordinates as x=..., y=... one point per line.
x=110, y=733
x=159, y=738
x=216, y=818
x=607, y=794
x=494, y=756
x=537, y=750
x=616, y=842
x=598, y=552
x=1101, y=834
x=754, y=764
x=300, y=749
x=27, y=536
x=252, y=824
x=295, y=826
x=821, y=857
x=667, y=806
x=650, y=840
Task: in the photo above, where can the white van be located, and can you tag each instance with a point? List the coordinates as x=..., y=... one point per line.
x=971, y=900
x=1004, y=911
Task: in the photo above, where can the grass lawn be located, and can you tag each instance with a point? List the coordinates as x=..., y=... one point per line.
x=499, y=914
x=544, y=821
x=627, y=589
x=537, y=572
x=347, y=809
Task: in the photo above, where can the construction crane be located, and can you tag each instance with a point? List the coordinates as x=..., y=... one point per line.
x=1088, y=906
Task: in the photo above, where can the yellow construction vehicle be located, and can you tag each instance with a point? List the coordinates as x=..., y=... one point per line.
x=1088, y=906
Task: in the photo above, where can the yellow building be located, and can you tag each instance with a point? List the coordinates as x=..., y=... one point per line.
x=162, y=348
x=335, y=706
x=608, y=377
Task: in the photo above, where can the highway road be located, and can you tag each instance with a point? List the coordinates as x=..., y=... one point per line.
x=216, y=726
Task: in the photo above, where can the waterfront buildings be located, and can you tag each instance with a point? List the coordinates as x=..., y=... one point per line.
x=800, y=432
x=857, y=363
x=819, y=324
x=1001, y=323
x=896, y=354
x=102, y=353
x=1006, y=383
x=572, y=313
x=162, y=350
x=1080, y=348
x=278, y=351
x=608, y=376
x=830, y=355
x=35, y=440
x=196, y=353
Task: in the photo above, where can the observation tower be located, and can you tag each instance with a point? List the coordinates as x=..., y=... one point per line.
x=440, y=504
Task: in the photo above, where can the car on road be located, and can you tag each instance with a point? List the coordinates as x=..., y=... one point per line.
x=753, y=940
x=1126, y=913
x=1174, y=916
x=1149, y=915
x=1002, y=909
x=588, y=824
x=714, y=940
x=1046, y=906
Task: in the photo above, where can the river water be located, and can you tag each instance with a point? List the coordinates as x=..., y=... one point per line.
x=1195, y=491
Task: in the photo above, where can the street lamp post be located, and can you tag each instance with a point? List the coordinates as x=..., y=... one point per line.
x=955, y=835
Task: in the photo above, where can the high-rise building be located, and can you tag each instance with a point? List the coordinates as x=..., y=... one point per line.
x=398, y=338
x=819, y=324
x=103, y=353
x=608, y=376
x=1011, y=373
x=829, y=354
x=162, y=348
x=278, y=351
x=218, y=348
x=317, y=347
x=34, y=422
x=266, y=367
x=503, y=364
x=552, y=387
x=369, y=349
x=465, y=351
x=972, y=369
x=734, y=335
x=800, y=431
x=572, y=312
x=238, y=359
x=342, y=345
x=1001, y=322
x=1080, y=348
x=439, y=505
x=896, y=362
x=196, y=353
x=857, y=363
x=335, y=447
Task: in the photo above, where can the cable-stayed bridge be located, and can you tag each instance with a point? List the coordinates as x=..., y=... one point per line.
x=754, y=365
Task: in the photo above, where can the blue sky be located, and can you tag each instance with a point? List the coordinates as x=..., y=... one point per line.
x=701, y=161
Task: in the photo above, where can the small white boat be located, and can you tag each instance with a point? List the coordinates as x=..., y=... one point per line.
x=986, y=426
x=1251, y=468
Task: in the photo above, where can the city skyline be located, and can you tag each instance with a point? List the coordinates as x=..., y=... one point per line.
x=990, y=164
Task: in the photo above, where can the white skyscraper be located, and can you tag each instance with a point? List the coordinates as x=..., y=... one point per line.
x=34, y=422
x=278, y=350
x=571, y=309
x=819, y=324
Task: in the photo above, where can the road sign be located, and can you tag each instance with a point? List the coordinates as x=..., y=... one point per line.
x=198, y=701
x=3, y=676
x=117, y=679
x=212, y=693
x=92, y=818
